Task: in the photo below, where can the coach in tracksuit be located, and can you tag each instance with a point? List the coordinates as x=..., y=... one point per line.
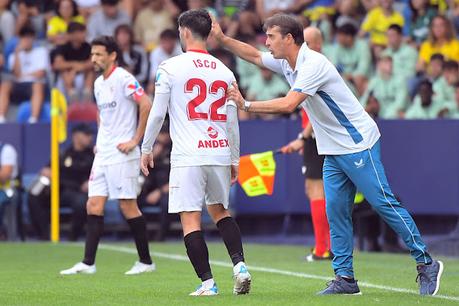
x=348, y=138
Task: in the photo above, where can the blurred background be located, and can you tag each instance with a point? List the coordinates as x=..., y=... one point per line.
x=400, y=58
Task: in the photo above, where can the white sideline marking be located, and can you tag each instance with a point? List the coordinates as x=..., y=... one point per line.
x=267, y=270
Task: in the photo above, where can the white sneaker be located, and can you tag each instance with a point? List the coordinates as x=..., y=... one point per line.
x=242, y=279
x=80, y=268
x=140, y=267
x=203, y=291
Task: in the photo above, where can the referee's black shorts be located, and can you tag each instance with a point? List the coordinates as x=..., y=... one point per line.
x=313, y=162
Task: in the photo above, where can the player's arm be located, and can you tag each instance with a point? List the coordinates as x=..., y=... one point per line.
x=285, y=104
x=154, y=123
x=144, y=108
x=242, y=50
x=232, y=127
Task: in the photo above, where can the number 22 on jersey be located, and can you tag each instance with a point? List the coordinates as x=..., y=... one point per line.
x=201, y=97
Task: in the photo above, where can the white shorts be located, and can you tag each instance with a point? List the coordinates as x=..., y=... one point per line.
x=191, y=187
x=117, y=181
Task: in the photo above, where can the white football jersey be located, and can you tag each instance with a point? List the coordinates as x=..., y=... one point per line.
x=197, y=84
x=340, y=123
x=117, y=114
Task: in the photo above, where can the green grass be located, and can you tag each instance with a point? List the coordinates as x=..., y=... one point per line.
x=29, y=276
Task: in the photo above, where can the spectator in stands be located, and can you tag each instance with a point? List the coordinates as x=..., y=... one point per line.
x=417, y=26
x=348, y=13
x=441, y=40
x=377, y=22
x=389, y=90
x=432, y=73
x=152, y=20
x=66, y=12
x=29, y=14
x=75, y=167
x=267, y=8
x=443, y=87
x=404, y=57
x=169, y=46
x=105, y=20
x=237, y=17
x=424, y=106
x=6, y=21
x=352, y=57
x=87, y=7
x=134, y=56
x=155, y=190
x=8, y=189
x=72, y=62
x=28, y=65
x=453, y=106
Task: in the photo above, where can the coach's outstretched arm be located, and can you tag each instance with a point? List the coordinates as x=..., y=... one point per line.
x=285, y=104
x=241, y=49
x=154, y=123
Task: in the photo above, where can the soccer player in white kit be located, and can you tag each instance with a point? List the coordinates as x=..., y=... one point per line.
x=205, y=147
x=348, y=138
x=115, y=169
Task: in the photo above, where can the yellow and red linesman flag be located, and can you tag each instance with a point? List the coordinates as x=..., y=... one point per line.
x=256, y=173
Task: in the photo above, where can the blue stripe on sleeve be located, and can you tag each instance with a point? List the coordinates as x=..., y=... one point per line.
x=296, y=89
x=341, y=117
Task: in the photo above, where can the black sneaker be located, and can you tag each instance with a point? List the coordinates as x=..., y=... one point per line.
x=428, y=278
x=340, y=286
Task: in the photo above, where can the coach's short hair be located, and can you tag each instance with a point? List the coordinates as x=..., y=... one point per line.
x=287, y=25
x=110, y=45
x=198, y=21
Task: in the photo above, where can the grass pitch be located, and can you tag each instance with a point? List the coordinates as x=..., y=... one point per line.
x=29, y=275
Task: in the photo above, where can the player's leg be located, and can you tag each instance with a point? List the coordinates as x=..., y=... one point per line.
x=340, y=193
x=313, y=165
x=97, y=196
x=94, y=229
x=122, y=185
x=367, y=172
x=217, y=200
x=186, y=196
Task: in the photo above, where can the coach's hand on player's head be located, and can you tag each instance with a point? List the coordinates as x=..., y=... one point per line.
x=128, y=146
x=146, y=160
x=216, y=30
x=234, y=173
x=235, y=95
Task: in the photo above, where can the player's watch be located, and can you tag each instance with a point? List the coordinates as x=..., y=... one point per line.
x=247, y=105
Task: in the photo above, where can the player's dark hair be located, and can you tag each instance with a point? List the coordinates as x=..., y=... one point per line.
x=287, y=25
x=347, y=29
x=197, y=21
x=396, y=28
x=110, y=46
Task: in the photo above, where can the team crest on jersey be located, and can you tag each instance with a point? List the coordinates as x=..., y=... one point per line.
x=213, y=133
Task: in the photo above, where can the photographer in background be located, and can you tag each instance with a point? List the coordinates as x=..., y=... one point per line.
x=75, y=167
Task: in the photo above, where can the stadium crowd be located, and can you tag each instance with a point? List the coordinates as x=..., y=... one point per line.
x=399, y=57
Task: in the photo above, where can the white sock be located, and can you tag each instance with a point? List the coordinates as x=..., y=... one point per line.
x=2, y=119
x=32, y=120
x=237, y=267
x=209, y=283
